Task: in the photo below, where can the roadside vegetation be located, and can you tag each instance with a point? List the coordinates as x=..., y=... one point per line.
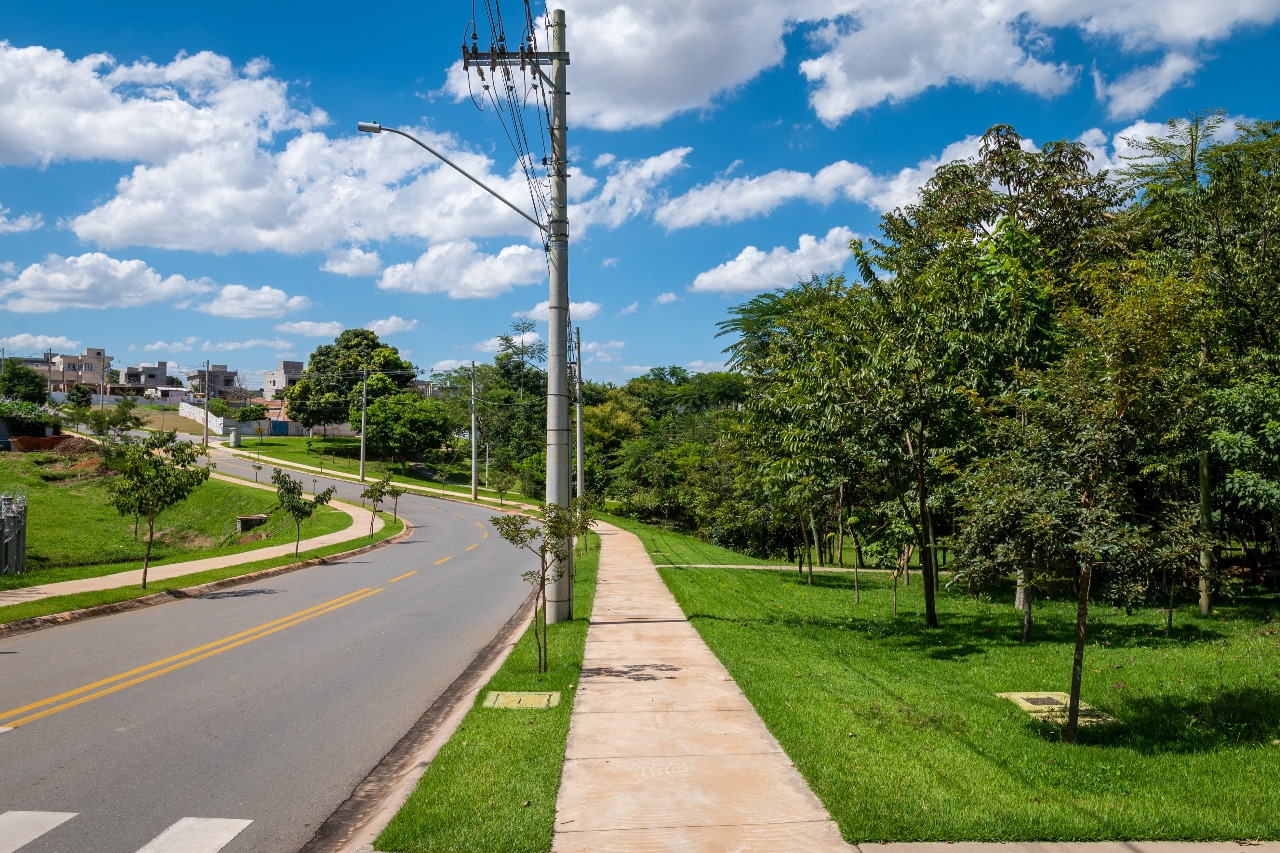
x=74, y=531
x=493, y=786
x=900, y=734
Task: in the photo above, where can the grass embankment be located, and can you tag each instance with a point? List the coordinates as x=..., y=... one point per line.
x=493, y=786
x=670, y=548
x=74, y=532
x=67, y=603
x=899, y=733
x=342, y=455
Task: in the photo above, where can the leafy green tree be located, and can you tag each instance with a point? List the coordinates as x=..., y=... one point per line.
x=80, y=396
x=395, y=493
x=375, y=493
x=110, y=425
x=22, y=383
x=405, y=425
x=503, y=481
x=289, y=495
x=251, y=412
x=331, y=385
x=219, y=408
x=154, y=474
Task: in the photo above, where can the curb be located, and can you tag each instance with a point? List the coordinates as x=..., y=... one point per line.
x=37, y=623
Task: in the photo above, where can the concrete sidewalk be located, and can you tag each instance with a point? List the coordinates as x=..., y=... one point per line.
x=665, y=752
x=359, y=529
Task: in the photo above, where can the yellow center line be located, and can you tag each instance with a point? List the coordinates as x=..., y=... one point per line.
x=443, y=560
x=478, y=524
x=216, y=647
x=473, y=547
x=402, y=577
x=486, y=534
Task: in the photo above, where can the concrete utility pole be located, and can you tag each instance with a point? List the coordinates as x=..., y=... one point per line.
x=559, y=596
x=206, y=405
x=577, y=359
x=475, y=456
x=364, y=404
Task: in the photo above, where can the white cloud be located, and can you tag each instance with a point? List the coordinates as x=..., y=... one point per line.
x=8, y=268
x=577, y=310
x=1139, y=89
x=603, y=352
x=699, y=366
x=665, y=298
x=733, y=200
x=238, y=301
x=56, y=108
x=311, y=328
x=609, y=262
x=628, y=190
x=753, y=271
x=460, y=270
x=630, y=309
x=26, y=222
x=445, y=364
x=94, y=280
x=236, y=346
x=38, y=343
x=185, y=345
x=391, y=326
x=494, y=344
x=353, y=262
x=858, y=53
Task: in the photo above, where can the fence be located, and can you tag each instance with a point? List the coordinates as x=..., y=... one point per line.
x=13, y=534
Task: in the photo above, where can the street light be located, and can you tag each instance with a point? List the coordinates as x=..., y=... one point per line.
x=556, y=233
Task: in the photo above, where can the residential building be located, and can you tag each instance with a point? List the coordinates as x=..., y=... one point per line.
x=274, y=382
x=219, y=383
x=145, y=377
x=63, y=372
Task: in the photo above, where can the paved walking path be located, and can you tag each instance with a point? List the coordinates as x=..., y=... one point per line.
x=359, y=529
x=665, y=752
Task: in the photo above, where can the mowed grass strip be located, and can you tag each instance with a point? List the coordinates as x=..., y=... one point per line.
x=493, y=786
x=671, y=548
x=81, y=601
x=899, y=732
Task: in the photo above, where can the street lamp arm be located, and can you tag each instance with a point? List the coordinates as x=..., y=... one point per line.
x=374, y=127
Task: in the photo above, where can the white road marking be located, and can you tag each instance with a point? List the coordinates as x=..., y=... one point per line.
x=196, y=835
x=20, y=828
x=4, y=729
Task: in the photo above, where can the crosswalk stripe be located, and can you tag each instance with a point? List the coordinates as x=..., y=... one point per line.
x=19, y=828
x=196, y=835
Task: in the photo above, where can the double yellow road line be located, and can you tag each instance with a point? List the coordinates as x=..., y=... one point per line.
x=105, y=687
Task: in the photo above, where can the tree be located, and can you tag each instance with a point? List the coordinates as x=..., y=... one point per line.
x=111, y=426
x=219, y=408
x=154, y=474
x=375, y=493
x=503, y=481
x=404, y=425
x=22, y=383
x=251, y=412
x=549, y=539
x=80, y=396
x=289, y=494
x=395, y=493
x=330, y=386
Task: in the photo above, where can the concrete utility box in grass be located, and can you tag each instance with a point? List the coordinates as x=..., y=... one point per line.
x=245, y=523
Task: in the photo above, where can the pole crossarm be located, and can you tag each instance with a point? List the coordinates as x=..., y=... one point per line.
x=374, y=127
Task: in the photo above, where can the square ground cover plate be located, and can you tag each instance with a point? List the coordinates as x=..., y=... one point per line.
x=509, y=699
x=1052, y=707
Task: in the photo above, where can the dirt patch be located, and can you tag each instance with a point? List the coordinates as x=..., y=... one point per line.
x=251, y=537
x=186, y=538
x=76, y=447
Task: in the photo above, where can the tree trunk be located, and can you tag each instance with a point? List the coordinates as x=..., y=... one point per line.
x=804, y=547
x=840, y=527
x=1026, y=615
x=1020, y=597
x=857, y=565
x=926, y=555
x=1077, y=665
x=151, y=535
x=1206, y=556
x=817, y=542
x=297, y=540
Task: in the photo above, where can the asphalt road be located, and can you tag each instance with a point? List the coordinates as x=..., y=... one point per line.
x=266, y=702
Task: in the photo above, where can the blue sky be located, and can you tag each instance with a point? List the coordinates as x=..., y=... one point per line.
x=184, y=182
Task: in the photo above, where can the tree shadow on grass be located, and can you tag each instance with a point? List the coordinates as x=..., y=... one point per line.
x=1202, y=722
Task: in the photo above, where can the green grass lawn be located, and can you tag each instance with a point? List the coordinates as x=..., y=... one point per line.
x=67, y=603
x=670, y=548
x=899, y=733
x=74, y=532
x=493, y=786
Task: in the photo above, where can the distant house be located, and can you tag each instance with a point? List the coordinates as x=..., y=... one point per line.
x=218, y=382
x=274, y=382
x=146, y=379
x=63, y=372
